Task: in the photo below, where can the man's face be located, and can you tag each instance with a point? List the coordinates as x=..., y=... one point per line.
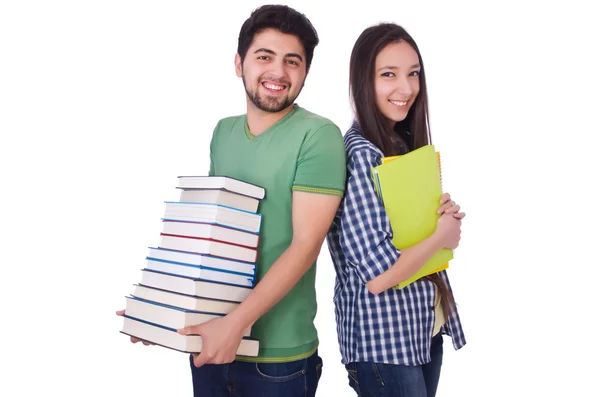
x=273, y=70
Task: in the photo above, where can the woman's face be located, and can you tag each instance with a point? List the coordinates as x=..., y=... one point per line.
x=397, y=71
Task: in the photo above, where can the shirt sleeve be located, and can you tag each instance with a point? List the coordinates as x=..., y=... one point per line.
x=322, y=163
x=211, y=168
x=365, y=230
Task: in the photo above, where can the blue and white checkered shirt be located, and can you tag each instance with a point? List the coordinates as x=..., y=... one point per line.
x=396, y=326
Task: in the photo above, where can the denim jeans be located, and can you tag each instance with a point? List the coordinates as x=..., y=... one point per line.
x=370, y=379
x=245, y=379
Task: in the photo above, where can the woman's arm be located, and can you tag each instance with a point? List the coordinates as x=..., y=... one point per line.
x=446, y=235
x=366, y=234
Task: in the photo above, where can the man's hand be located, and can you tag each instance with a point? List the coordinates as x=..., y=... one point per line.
x=312, y=215
x=133, y=339
x=221, y=337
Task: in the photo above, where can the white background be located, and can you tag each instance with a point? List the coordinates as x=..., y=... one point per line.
x=103, y=104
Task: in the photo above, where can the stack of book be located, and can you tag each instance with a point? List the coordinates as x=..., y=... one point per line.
x=204, y=266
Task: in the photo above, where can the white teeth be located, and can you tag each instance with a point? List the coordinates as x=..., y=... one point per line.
x=397, y=103
x=274, y=87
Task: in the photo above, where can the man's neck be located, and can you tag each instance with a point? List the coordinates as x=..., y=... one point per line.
x=259, y=121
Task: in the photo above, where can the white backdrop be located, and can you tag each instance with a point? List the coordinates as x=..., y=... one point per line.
x=103, y=104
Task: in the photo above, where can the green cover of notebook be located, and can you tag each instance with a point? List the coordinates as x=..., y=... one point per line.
x=410, y=188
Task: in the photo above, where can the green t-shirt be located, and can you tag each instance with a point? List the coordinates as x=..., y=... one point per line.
x=302, y=152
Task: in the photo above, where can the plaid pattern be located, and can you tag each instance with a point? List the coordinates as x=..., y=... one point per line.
x=396, y=326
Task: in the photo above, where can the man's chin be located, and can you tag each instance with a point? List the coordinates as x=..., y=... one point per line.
x=272, y=106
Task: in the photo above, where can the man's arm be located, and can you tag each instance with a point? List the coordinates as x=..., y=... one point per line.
x=312, y=215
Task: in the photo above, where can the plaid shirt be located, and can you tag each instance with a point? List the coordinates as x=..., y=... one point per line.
x=396, y=326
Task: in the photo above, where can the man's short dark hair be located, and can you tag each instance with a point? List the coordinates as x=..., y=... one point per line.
x=282, y=18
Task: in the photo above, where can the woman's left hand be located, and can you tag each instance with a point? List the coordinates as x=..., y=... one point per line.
x=448, y=206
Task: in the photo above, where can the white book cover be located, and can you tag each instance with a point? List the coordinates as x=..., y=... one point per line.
x=183, y=301
x=190, y=286
x=200, y=272
x=210, y=231
x=209, y=247
x=221, y=182
x=171, y=339
x=213, y=213
x=191, y=258
x=218, y=196
x=167, y=316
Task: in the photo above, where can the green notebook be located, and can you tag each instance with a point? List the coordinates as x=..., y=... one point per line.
x=410, y=188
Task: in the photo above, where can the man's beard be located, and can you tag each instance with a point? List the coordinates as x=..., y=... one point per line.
x=268, y=103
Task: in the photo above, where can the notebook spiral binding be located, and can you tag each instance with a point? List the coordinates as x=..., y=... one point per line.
x=437, y=156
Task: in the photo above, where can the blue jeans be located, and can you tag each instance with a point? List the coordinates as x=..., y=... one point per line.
x=370, y=379
x=244, y=379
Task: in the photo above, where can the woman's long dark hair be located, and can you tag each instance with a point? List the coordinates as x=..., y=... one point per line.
x=413, y=132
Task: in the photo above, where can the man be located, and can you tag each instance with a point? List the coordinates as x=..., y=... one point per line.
x=299, y=158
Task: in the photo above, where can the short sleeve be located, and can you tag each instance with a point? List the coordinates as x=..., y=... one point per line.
x=365, y=230
x=322, y=163
x=211, y=169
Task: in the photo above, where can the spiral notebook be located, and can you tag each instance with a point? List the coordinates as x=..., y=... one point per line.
x=410, y=187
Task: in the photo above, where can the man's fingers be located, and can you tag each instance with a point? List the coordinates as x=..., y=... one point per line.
x=120, y=312
x=133, y=339
x=200, y=359
x=445, y=197
x=191, y=330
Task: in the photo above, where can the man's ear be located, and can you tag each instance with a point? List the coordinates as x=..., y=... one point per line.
x=238, y=65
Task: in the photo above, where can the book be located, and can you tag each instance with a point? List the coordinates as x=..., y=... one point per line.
x=191, y=258
x=410, y=189
x=210, y=231
x=183, y=301
x=196, y=287
x=221, y=182
x=204, y=267
x=168, y=337
x=209, y=247
x=213, y=213
x=437, y=157
x=200, y=272
x=167, y=316
x=223, y=197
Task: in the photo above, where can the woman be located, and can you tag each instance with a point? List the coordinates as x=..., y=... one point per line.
x=390, y=339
